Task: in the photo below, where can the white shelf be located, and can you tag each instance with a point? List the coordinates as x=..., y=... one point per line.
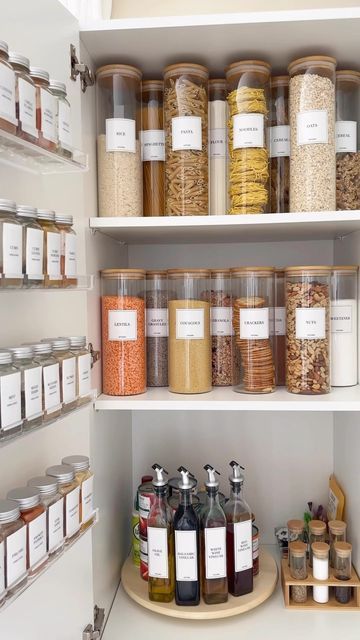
x=84, y=283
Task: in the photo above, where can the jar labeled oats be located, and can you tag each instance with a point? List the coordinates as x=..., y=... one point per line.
x=221, y=327
x=25, y=98
x=157, y=328
x=312, y=126
x=186, y=139
x=8, y=119
x=218, y=196
x=279, y=144
x=347, y=138
x=308, y=329
x=153, y=147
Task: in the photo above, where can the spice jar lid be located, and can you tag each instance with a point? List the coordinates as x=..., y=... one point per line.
x=41, y=347
x=309, y=270
x=236, y=272
x=297, y=548
x=312, y=61
x=7, y=205
x=343, y=549
x=317, y=526
x=9, y=511
x=122, y=69
x=4, y=46
x=25, y=352
x=247, y=65
x=154, y=274
x=77, y=341
x=60, y=344
x=188, y=273
x=279, y=81
x=190, y=68
x=37, y=72
x=320, y=549
x=296, y=525
x=5, y=357
x=46, y=485
x=124, y=274
x=337, y=526
x=58, y=86
x=25, y=211
x=64, y=473
x=18, y=58
x=64, y=219
x=26, y=497
x=152, y=85
x=78, y=463
x=46, y=214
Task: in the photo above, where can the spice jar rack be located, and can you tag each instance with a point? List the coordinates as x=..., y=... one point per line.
x=83, y=283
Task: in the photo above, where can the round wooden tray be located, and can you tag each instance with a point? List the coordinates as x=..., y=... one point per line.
x=264, y=586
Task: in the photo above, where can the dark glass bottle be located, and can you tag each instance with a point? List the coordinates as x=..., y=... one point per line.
x=186, y=526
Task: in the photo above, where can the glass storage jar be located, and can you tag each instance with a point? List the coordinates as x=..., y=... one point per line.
x=123, y=331
x=312, y=132
x=50, y=380
x=337, y=533
x=295, y=532
x=10, y=246
x=253, y=360
x=279, y=144
x=298, y=571
x=347, y=140
x=8, y=120
x=67, y=362
x=344, y=329
x=33, y=246
x=52, y=249
x=69, y=488
x=157, y=328
x=25, y=96
x=68, y=253
x=189, y=330
x=280, y=328
x=308, y=329
x=13, y=533
x=63, y=119
x=33, y=514
x=83, y=368
x=2, y=568
x=10, y=397
x=218, y=196
x=153, y=147
x=248, y=84
x=186, y=139
x=118, y=140
x=221, y=327
x=85, y=478
x=53, y=503
x=317, y=533
x=46, y=107
x=31, y=386
x=343, y=570
x=320, y=556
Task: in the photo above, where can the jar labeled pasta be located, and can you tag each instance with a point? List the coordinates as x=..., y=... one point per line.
x=312, y=126
x=157, y=328
x=248, y=101
x=153, y=147
x=221, y=327
x=11, y=238
x=252, y=299
x=46, y=108
x=344, y=326
x=279, y=144
x=123, y=331
x=218, y=196
x=8, y=119
x=308, y=329
x=33, y=246
x=347, y=139
x=279, y=328
x=118, y=140
x=186, y=139
x=25, y=98
x=189, y=331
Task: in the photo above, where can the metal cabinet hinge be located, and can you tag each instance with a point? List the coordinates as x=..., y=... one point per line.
x=87, y=77
x=93, y=632
x=95, y=355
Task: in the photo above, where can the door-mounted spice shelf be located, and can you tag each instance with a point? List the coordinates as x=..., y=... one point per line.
x=83, y=283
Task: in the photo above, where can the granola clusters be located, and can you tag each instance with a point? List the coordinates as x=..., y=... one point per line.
x=348, y=181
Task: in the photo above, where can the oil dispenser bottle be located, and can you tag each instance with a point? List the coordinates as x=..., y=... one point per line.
x=186, y=526
x=160, y=541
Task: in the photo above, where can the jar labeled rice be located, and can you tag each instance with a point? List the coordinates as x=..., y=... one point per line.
x=157, y=328
x=279, y=144
x=347, y=130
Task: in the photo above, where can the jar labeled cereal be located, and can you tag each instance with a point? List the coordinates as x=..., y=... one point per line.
x=347, y=134
x=279, y=144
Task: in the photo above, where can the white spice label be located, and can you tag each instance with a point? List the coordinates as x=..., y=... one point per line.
x=70, y=255
x=280, y=321
x=10, y=401
x=16, y=557
x=34, y=253
x=221, y=321
x=2, y=568
x=84, y=374
x=341, y=319
x=190, y=324
x=248, y=130
x=12, y=249
x=280, y=141
x=27, y=107
x=37, y=540
x=51, y=380
x=122, y=325
x=53, y=255
x=33, y=392
x=87, y=506
x=215, y=553
x=254, y=324
x=56, y=524
x=69, y=380
x=186, y=133
x=64, y=123
x=243, y=545
x=346, y=136
x=121, y=135
x=310, y=324
x=153, y=145
x=48, y=105
x=72, y=512
x=158, y=552
x=312, y=127
x=7, y=94
x=157, y=323
x=144, y=506
x=217, y=143
x=186, y=556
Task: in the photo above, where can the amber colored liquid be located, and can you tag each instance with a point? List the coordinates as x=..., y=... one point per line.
x=214, y=591
x=240, y=582
x=162, y=589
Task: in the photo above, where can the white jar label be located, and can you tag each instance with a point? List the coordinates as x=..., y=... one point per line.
x=346, y=136
x=186, y=556
x=280, y=321
x=217, y=143
x=310, y=324
x=87, y=492
x=84, y=373
x=280, y=141
x=69, y=380
x=248, y=130
x=33, y=392
x=53, y=255
x=12, y=249
x=7, y=94
x=70, y=255
x=190, y=324
x=48, y=105
x=157, y=323
x=2, y=568
x=122, y=325
x=34, y=252
x=215, y=553
x=37, y=540
x=153, y=145
x=10, y=401
x=254, y=324
x=221, y=321
x=186, y=133
x=64, y=123
x=56, y=524
x=51, y=380
x=158, y=552
x=243, y=553
x=72, y=512
x=16, y=557
x=312, y=127
x=121, y=135
x=341, y=319
x=144, y=506
x=27, y=107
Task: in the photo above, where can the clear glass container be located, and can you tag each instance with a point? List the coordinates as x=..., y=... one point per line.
x=8, y=120
x=186, y=139
x=50, y=380
x=344, y=326
x=347, y=140
x=53, y=502
x=68, y=253
x=248, y=87
x=63, y=119
x=312, y=132
x=320, y=556
x=298, y=571
x=218, y=195
x=295, y=532
x=85, y=478
x=33, y=514
x=118, y=140
x=317, y=533
x=69, y=488
x=343, y=570
x=337, y=533
x=157, y=328
x=31, y=386
x=221, y=327
x=13, y=533
x=123, y=331
x=153, y=147
x=10, y=397
x=83, y=368
x=280, y=328
x=33, y=247
x=52, y=249
x=46, y=109
x=189, y=331
x=25, y=95
x=239, y=523
x=279, y=144
x=253, y=360
x=67, y=362
x=10, y=246
x=308, y=329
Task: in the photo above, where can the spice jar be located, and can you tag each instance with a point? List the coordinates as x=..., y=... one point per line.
x=343, y=571
x=53, y=502
x=10, y=245
x=12, y=548
x=67, y=362
x=279, y=144
x=308, y=329
x=312, y=132
x=50, y=380
x=221, y=327
x=153, y=147
x=46, y=108
x=186, y=139
x=8, y=120
x=320, y=555
x=85, y=478
x=10, y=397
x=123, y=331
x=347, y=140
x=317, y=533
x=248, y=101
x=63, y=119
x=33, y=246
x=33, y=515
x=253, y=361
x=118, y=140
x=337, y=533
x=344, y=329
x=83, y=368
x=157, y=328
x=218, y=197
x=189, y=331
x=280, y=328
x=52, y=248
x=69, y=488
x=25, y=97
x=295, y=532
x=298, y=571
x=68, y=254
x=31, y=386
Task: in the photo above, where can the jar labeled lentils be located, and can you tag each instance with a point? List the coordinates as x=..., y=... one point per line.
x=157, y=328
x=46, y=108
x=279, y=144
x=123, y=331
x=221, y=327
x=153, y=147
x=347, y=134
x=25, y=98
x=8, y=119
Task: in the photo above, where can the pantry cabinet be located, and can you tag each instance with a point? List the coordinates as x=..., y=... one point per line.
x=289, y=445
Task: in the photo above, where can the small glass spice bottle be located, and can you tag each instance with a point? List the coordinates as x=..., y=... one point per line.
x=337, y=533
x=46, y=105
x=50, y=380
x=25, y=93
x=33, y=514
x=298, y=571
x=10, y=246
x=69, y=488
x=317, y=533
x=67, y=361
x=343, y=570
x=83, y=368
x=320, y=555
x=157, y=328
x=31, y=386
x=7, y=98
x=68, y=255
x=12, y=548
x=52, y=248
x=295, y=532
x=10, y=397
x=85, y=478
x=53, y=502
x=33, y=246
x=63, y=119
x=221, y=327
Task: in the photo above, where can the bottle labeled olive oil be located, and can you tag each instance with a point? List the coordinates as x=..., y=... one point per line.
x=186, y=527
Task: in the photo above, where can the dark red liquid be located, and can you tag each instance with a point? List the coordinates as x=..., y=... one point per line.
x=240, y=582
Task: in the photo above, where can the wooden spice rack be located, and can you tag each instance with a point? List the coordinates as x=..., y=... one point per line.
x=287, y=581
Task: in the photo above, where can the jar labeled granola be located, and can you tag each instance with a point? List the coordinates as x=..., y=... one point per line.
x=8, y=119
x=279, y=144
x=157, y=328
x=347, y=138
x=25, y=98
x=221, y=327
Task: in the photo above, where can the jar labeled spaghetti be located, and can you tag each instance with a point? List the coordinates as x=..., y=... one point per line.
x=153, y=147
x=279, y=144
x=248, y=102
x=347, y=139
x=186, y=139
x=123, y=331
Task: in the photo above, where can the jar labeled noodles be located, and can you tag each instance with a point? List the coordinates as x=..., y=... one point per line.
x=118, y=140
x=123, y=331
x=221, y=327
x=344, y=326
x=189, y=331
x=308, y=329
x=279, y=327
x=248, y=101
x=347, y=139
x=253, y=298
x=312, y=125
x=279, y=144
x=157, y=328
x=217, y=147
x=186, y=139
x=153, y=147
